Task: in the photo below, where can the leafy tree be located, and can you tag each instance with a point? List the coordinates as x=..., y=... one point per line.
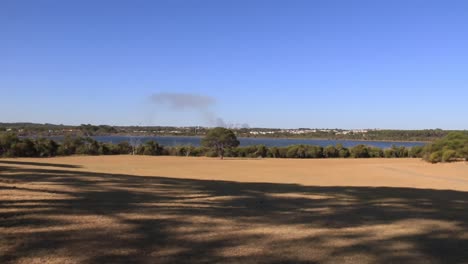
x=416, y=152
x=70, y=145
x=452, y=147
x=151, y=148
x=197, y=151
x=23, y=148
x=314, y=152
x=295, y=152
x=331, y=152
x=7, y=140
x=218, y=139
x=273, y=152
x=105, y=149
x=342, y=151
x=435, y=157
x=46, y=147
x=261, y=151
x=448, y=155
x=124, y=148
x=360, y=151
x=375, y=152
x=87, y=146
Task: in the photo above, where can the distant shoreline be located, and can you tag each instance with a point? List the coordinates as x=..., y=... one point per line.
x=364, y=140
x=258, y=137
x=293, y=138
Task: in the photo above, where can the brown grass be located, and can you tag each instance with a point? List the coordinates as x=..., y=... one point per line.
x=170, y=210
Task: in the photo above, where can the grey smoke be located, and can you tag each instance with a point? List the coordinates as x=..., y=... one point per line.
x=184, y=101
x=212, y=119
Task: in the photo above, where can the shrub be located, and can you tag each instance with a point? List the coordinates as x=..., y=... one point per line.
x=360, y=151
x=453, y=146
x=331, y=152
x=435, y=157
x=7, y=140
x=416, y=152
x=261, y=151
x=344, y=153
x=448, y=155
x=376, y=152
x=314, y=152
x=273, y=152
x=124, y=148
x=211, y=154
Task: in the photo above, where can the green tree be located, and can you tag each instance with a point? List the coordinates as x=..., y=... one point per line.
x=261, y=151
x=448, y=155
x=342, y=151
x=46, y=147
x=273, y=152
x=87, y=146
x=7, y=140
x=314, y=152
x=23, y=148
x=124, y=148
x=331, y=152
x=452, y=147
x=151, y=148
x=218, y=139
x=360, y=151
x=416, y=152
x=375, y=152
x=295, y=151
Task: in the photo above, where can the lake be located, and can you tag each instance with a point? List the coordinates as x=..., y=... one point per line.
x=270, y=142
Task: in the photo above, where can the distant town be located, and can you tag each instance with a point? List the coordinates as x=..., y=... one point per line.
x=48, y=130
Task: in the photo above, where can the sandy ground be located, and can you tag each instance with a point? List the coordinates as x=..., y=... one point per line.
x=120, y=209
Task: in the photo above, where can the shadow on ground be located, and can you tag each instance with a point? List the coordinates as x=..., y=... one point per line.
x=42, y=164
x=59, y=215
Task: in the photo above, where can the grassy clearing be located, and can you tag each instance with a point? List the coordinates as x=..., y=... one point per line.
x=171, y=209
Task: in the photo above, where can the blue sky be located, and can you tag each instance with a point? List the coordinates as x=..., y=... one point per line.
x=333, y=64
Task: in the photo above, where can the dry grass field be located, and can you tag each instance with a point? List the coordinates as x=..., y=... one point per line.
x=138, y=209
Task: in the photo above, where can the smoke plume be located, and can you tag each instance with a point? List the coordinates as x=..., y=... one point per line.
x=184, y=101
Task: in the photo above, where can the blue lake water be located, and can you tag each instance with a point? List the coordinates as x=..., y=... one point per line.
x=270, y=142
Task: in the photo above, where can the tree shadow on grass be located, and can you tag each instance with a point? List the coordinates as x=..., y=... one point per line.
x=65, y=215
x=41, y=164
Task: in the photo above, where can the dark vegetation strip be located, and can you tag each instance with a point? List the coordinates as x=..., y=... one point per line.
x=453, y=147
x=47, y=130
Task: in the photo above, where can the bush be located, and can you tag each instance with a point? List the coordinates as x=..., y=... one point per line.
x=314, y=152
x=7, y=141
x=331, y=152
x=416, y=152
x=261, y=151
x=292, y=152
x=375, y=152
x=344, y=153
x=211, y=154
x=150, y=148
x=360, y=151
x=86, y=146
x=452, y=147
x=448, y=155
x=273, y=152
x=46, y=147
x=435, y=157
x=124, y=148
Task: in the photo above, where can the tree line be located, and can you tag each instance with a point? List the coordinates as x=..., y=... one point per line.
x=453, y=147
x=13, y=146
x=222, y=142
x=31, y=129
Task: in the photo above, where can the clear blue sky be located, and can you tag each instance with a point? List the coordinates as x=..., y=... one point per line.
x=345, y=64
